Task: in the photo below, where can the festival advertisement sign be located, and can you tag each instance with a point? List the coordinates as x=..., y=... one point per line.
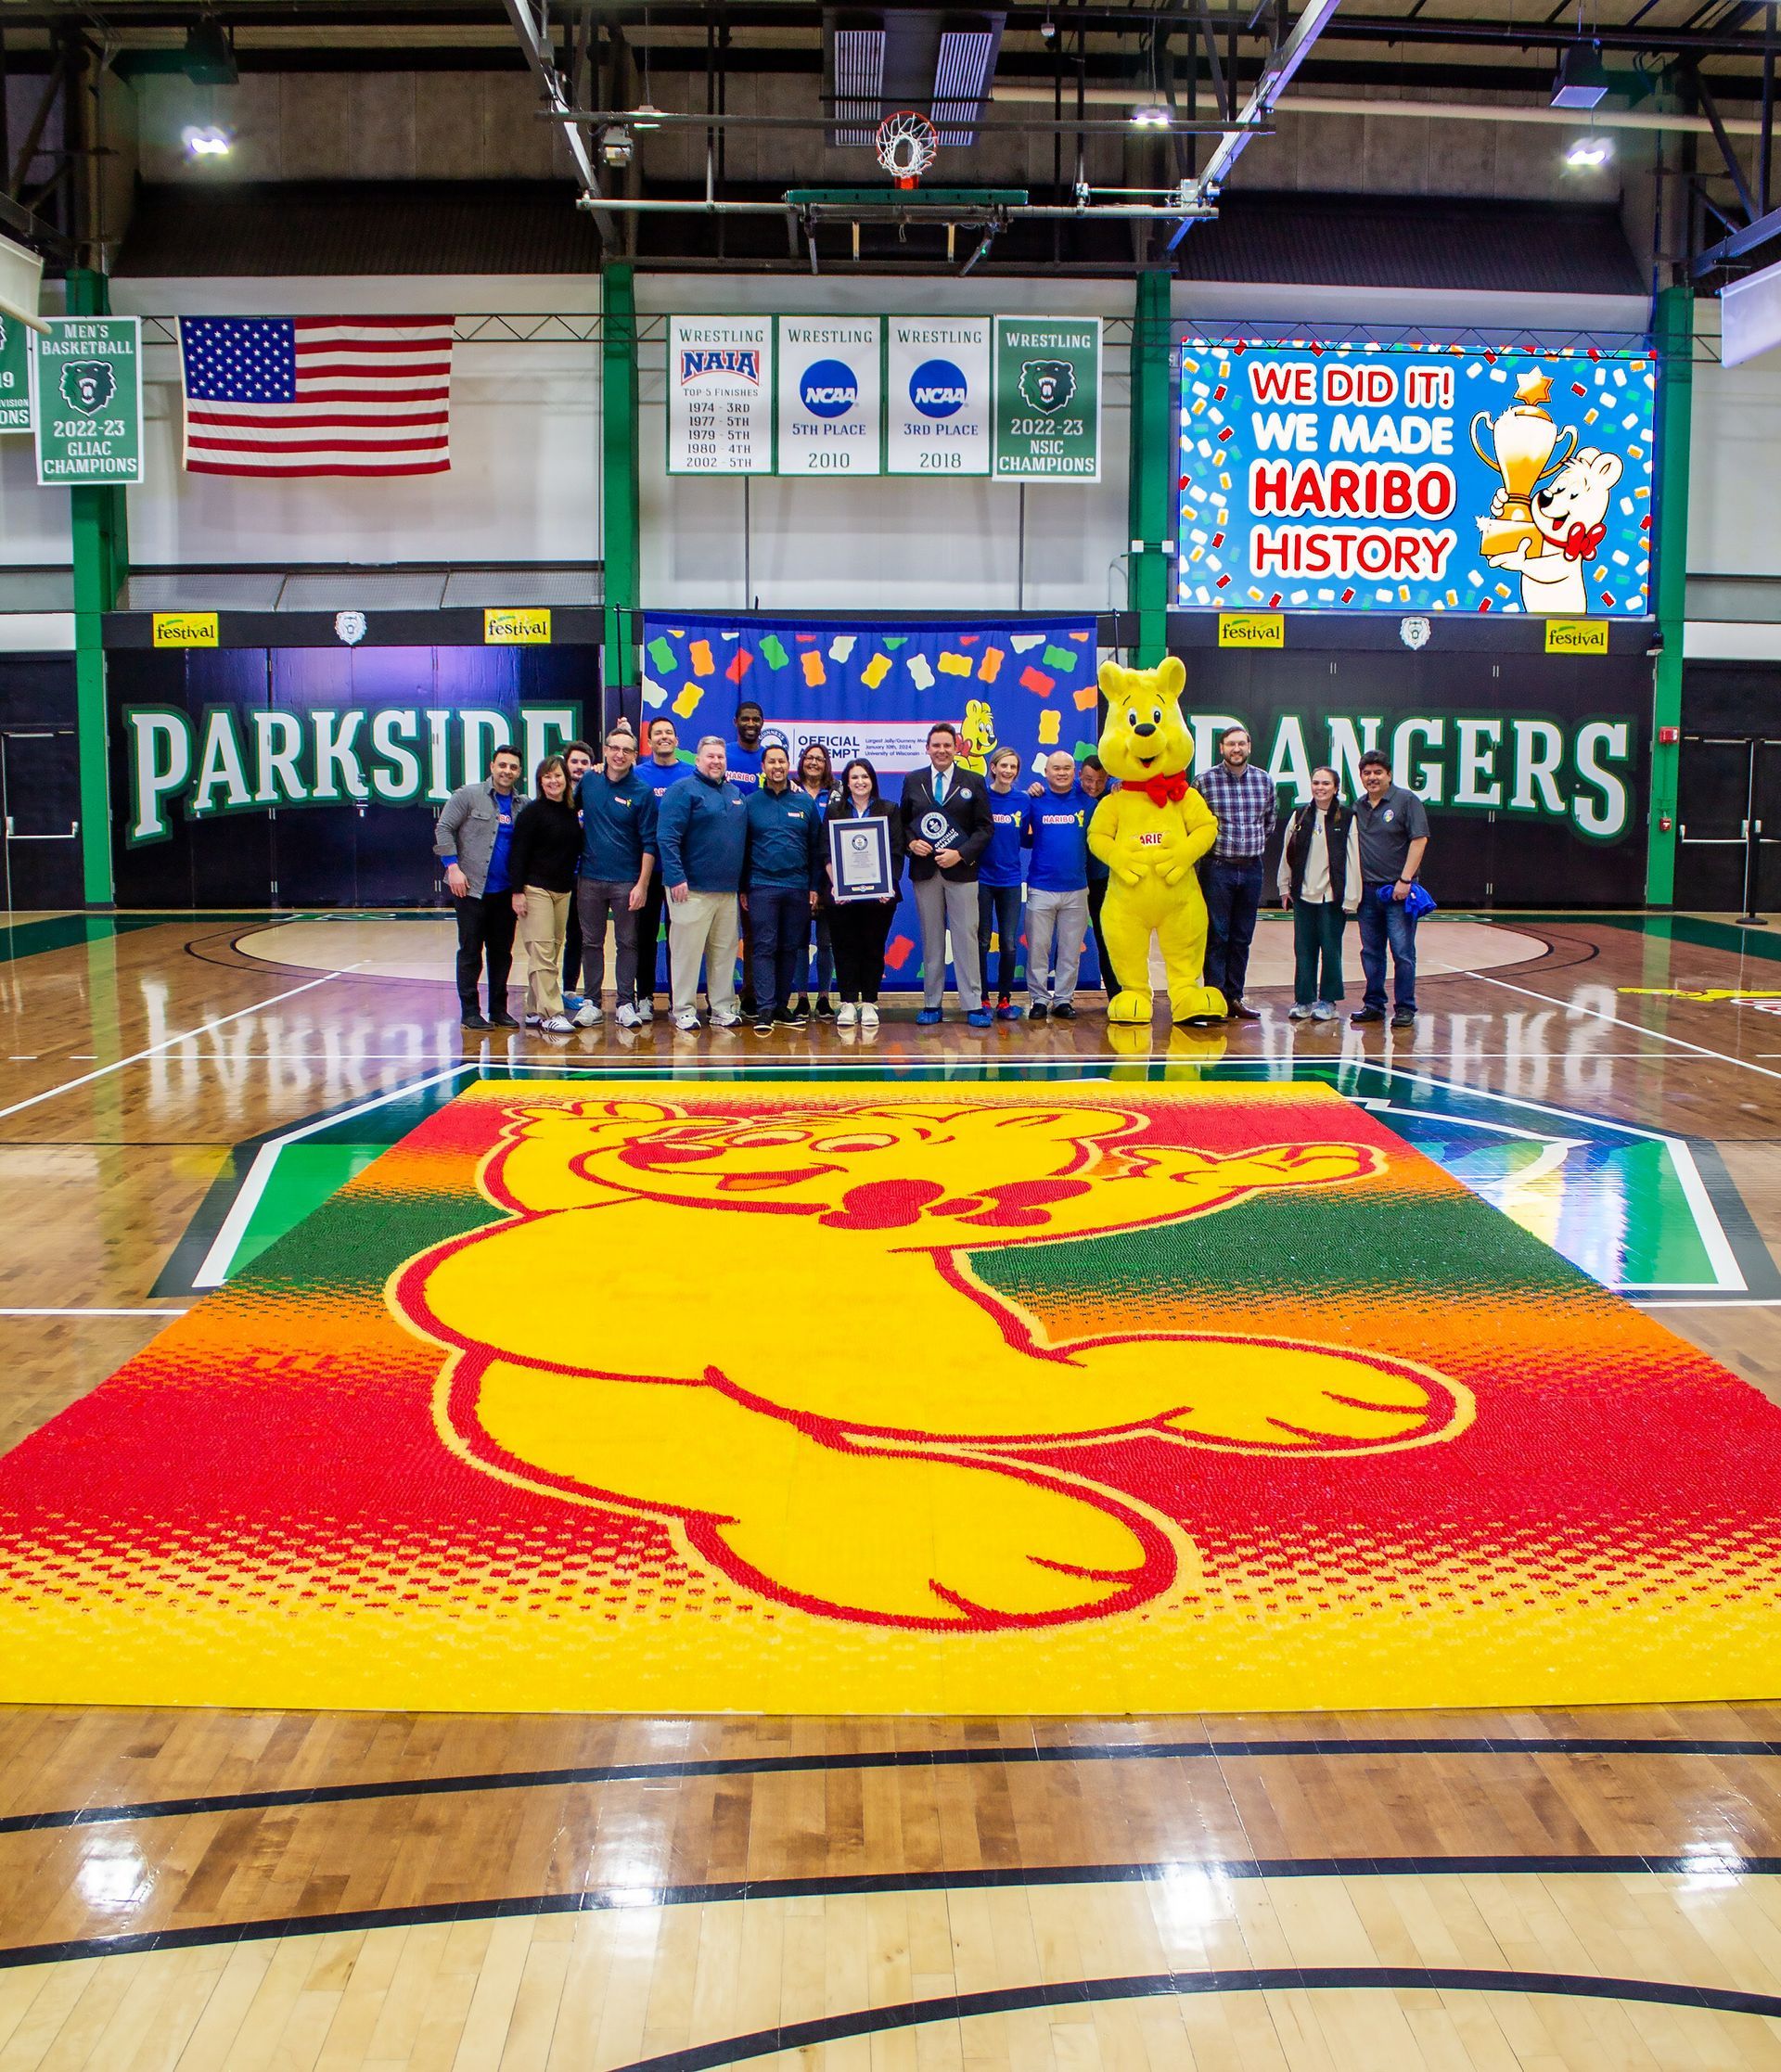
x=937, y=396
x=873, y=689
x=1325, y=476
x=831, y=395
x=720, y=395
x=1048, y=399
x=15, y=376
x=86, y=383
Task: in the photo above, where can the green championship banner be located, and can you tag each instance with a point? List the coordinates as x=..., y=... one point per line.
x=15, y=376
x=87, y=389
x=1047, y=425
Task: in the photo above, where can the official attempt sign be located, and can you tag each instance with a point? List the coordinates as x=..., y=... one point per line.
x=86, y=374
x=1355, y=475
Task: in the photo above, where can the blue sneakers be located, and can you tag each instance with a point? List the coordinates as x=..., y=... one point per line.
x=928, y=1016
x=979, y=1017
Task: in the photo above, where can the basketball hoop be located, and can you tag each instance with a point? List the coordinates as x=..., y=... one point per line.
x=906, y=146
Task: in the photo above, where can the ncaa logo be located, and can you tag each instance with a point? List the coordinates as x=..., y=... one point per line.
x=938, y=388
x=828, y=389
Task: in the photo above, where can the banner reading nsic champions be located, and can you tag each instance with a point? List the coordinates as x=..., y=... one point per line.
x=1325, y=476
x=873, y=688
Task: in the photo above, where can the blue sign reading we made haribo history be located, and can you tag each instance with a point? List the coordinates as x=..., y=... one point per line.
x=1318, y=475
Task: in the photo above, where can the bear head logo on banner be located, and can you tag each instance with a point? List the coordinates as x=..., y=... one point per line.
x=1047, y=385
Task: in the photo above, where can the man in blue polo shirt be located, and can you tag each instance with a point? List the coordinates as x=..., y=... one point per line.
x=781, y=871
x=618, y=860
x=702, y=834
x=1055, y=830
x=659, y=769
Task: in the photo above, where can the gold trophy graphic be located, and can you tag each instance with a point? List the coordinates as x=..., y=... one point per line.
x=1521, y=449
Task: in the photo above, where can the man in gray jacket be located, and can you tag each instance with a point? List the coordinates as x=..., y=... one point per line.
x=474, y=833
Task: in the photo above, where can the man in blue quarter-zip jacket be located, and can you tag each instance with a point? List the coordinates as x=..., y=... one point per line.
x=781, y=872
x=701, y=832
x=1057, y=832
x=618, y=857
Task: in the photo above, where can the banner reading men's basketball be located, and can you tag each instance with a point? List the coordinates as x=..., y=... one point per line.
x=830, y=418
x=1048, y=399
x=1324, y=475
x=15, y=376
x=86, y=384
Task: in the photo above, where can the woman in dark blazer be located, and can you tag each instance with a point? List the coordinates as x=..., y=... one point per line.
x=858, y=927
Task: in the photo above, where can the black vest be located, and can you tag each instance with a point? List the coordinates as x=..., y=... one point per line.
x=1299, y=833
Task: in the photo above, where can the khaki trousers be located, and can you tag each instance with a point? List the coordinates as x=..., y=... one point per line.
x=541, y=930
x=702, y=925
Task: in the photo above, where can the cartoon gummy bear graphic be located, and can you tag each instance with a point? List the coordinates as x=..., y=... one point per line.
x=907, y=1483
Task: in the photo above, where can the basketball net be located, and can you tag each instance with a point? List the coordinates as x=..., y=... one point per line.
x=906, y=146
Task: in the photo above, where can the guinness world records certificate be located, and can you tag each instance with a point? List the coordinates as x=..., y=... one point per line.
x=859, y=856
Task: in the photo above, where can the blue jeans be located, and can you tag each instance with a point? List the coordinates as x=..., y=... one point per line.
x=1232, y=889
x=778, y=944
x=998, y=912
x=1382, y=923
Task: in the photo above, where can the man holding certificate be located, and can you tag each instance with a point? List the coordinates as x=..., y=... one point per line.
x=865, y=866
x=946, y=827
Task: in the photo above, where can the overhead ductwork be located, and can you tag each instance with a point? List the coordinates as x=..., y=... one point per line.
x=937, y=61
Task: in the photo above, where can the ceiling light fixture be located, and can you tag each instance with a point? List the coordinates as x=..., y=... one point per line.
x=616, y=147
x=1152, y=118
x=1582, y=80
x=1590, y=150
x=646, y=116
x=208, y=57
x=206, y=141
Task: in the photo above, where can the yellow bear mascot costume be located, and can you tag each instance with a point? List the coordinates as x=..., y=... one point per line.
x=1150, y=833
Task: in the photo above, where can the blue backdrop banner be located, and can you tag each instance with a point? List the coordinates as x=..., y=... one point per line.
x=873, y=688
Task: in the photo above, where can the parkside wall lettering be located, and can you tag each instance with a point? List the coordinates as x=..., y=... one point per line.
x=1343, y=476
x=231, y=760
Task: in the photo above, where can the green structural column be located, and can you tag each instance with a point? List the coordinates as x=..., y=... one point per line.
x=1676, y=341
x=1152, y=469
x=101, y=556
x=621, y=494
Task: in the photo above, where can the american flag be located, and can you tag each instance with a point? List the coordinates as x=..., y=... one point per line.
x=316, y=395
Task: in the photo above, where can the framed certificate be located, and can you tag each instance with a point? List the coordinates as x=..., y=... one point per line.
x=859, y=855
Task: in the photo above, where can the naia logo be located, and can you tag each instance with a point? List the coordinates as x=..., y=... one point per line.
x=828, y=389
x=742, y=360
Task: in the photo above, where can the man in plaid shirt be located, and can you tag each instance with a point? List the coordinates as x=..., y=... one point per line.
x=1243, y=800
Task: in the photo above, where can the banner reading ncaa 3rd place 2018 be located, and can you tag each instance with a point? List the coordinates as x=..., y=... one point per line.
x=873, y=688
x=1318, y=475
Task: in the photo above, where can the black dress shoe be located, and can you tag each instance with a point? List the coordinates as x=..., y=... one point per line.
x=1242, y=1011
x=1367, y=1014
x=1063, y=1012
x=1405, y=1017
x=1038, y=1011
x=474, y=1021
x=502, y=1019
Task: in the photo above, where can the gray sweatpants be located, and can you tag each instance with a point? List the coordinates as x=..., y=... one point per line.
x=1064, y=914
x=942, y=906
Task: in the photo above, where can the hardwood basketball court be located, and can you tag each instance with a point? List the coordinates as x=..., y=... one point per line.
x=189, y=1888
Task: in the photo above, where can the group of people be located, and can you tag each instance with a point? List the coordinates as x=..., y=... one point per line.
x=732, y=851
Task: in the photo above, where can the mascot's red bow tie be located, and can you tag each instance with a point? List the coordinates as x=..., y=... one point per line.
x=1163, y=790
x=1582, y=541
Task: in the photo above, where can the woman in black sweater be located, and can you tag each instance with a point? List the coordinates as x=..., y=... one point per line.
x=547, y=841
x=859, y=927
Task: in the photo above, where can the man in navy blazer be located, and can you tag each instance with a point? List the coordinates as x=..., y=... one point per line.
x=946, y=825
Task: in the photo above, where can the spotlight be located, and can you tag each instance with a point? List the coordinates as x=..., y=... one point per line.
x=617, y=149
x=208, y=59
x=1150, y=118
x=206, y=142
x=1582, y=79
x=1048, y=30
x=1590, y=150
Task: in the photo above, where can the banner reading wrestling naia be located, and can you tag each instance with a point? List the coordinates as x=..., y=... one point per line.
x=1326, y=476
x=873, y=689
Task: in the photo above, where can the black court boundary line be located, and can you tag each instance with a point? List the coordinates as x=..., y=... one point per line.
x=851, y=1885
x=859, y=1759
x=1082, y=1992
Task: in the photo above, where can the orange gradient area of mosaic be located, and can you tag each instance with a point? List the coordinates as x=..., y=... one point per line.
x=1102, y=1397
